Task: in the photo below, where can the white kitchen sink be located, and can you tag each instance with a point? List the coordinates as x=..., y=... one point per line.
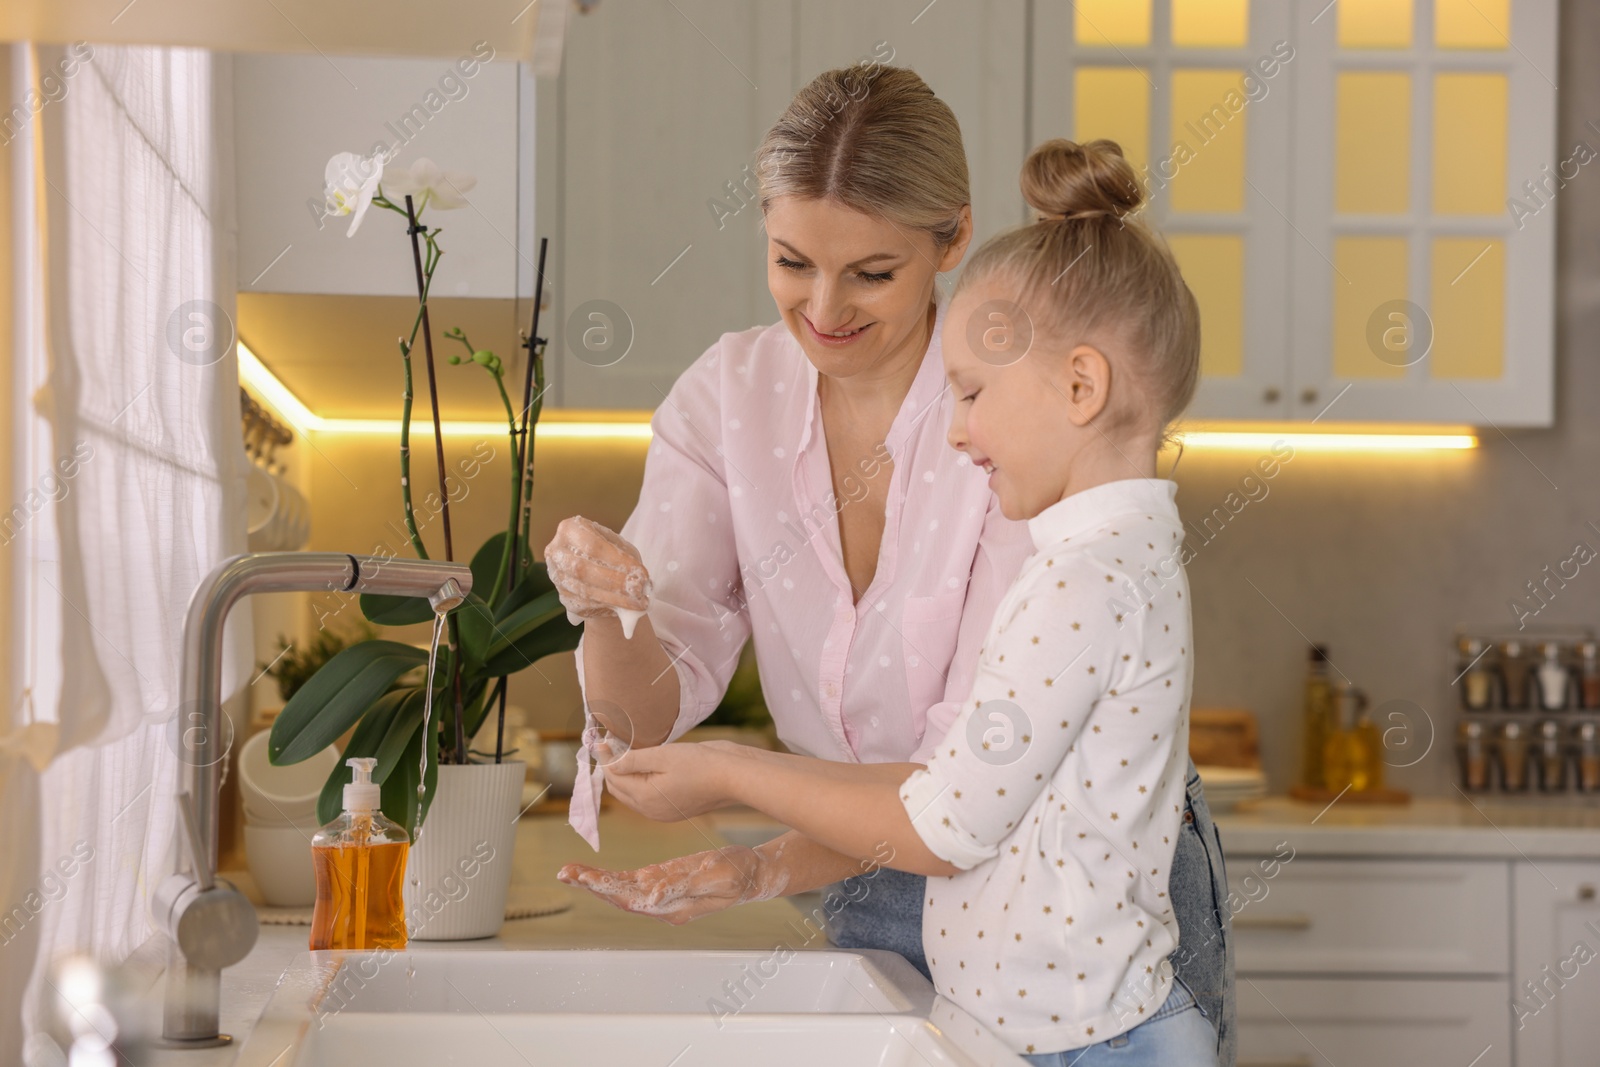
x=633, y=1007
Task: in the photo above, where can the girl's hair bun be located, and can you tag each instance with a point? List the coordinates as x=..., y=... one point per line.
x=1065, y=179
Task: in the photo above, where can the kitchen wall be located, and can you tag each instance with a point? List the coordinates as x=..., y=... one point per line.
x=1380, y=557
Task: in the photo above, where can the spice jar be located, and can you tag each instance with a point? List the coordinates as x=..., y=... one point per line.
x=1553, y=679
x=1515, y=675
x=1586, y=752
x=1513, y=757
x=1472, y=750
x=1477, y=675
x=1551, y=757
x=1589, y=674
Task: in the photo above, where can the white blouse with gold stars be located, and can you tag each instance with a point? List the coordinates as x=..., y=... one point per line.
x=1059, y=789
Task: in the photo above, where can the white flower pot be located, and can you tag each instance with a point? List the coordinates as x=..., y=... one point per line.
x=460, y=864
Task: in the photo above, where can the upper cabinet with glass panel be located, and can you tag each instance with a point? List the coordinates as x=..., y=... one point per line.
x=1344, y=187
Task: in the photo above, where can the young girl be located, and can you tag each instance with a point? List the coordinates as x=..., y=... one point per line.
x=1047, y=818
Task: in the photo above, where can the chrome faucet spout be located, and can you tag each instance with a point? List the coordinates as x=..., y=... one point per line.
x=211, y=925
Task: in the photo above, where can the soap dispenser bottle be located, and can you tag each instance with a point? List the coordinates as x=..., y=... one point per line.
x=360, y=861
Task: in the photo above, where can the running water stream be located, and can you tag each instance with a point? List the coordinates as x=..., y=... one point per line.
x=427, y=724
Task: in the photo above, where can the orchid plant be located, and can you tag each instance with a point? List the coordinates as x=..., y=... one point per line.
x=513, y=616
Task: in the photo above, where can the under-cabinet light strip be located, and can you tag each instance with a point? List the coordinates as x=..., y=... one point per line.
x=255, y=374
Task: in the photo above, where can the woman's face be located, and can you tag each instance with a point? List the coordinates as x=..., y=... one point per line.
x=853, y=288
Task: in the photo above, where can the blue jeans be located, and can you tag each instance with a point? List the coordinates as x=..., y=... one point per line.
x=884, y=910
x=1177, y=1035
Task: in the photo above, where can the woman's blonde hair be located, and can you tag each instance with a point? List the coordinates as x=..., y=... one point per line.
x=875, y=139
x=1094, y=272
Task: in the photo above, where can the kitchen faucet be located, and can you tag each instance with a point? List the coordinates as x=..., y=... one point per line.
x=209, y=923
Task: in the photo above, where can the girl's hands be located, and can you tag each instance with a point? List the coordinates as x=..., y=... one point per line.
x=669, y=783
x=683, y=889
x=595, y=571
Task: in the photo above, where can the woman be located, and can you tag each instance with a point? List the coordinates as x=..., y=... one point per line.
x=799, y=492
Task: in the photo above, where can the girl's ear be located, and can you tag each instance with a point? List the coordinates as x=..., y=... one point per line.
x=958, y=247
x=1084, y=378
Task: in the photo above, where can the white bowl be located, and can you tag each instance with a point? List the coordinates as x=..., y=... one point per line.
x=280, y=862
x=281, y=796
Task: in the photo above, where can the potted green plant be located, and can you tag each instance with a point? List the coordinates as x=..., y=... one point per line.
x=430, y=779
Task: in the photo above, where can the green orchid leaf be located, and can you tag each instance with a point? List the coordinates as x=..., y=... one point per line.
x=477, y=627
x=529, y=617
x=554, y=635
x=533, y=583
x=396, y=610
x=397, y=735
x=399, y=792
x=486, y=567
x=364, y=742
x=337, y=696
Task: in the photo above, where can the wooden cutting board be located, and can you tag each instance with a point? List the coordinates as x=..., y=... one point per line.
x=1224, y=737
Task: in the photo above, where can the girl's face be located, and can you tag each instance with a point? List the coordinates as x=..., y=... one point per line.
x=853, y=289
x=1022, y=407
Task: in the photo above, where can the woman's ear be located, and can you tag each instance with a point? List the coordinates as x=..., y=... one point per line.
x=1084, y=378
x=958, y=247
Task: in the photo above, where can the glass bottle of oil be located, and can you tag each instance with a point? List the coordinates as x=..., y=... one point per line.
x=360, y=861
x=1347, y=756
x=1317, y=717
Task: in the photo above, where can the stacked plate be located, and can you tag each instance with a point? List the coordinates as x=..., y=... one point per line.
x=280, y=816
x=1226, y=787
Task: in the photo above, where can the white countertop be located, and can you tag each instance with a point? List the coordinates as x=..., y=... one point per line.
x=1504, y=828
x=1488, y=828
x=544, y=844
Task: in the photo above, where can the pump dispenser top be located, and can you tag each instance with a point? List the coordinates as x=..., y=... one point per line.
x=362, y=795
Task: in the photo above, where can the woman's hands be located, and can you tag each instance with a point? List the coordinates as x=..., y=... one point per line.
x=673, y=782
x=595, y=571
x=683, y=889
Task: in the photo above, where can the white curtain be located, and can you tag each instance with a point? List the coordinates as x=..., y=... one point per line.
x=127, y=422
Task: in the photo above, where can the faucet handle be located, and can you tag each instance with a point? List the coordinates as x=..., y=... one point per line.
x=199, y=854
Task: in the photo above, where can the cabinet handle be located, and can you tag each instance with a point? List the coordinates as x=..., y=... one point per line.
x=1271, y=394
x=1586, y=892
x=1298, y=1061
x=1308, y=396
x=1298, y=921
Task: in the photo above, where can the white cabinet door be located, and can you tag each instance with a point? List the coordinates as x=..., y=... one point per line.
x=1555, y=978
x=1203, y=116
x=292, y=113
x=1421, y=292
x=1336, y=916
x=652, y=210
x=1388, y=1022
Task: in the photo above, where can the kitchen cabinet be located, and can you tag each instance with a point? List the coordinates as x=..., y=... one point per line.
x=1343, y=184
x=1210, y=150
x=1317, y=1022
x=1343, y=916
x=1347, y=959
x=1362, y=195
x=1555, y=974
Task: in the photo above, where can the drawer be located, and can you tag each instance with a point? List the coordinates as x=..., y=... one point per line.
x=1373, y=1022
x=1336, y=916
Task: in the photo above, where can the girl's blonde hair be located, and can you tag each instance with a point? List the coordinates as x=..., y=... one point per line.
x=875, y=139
x=1094, y=272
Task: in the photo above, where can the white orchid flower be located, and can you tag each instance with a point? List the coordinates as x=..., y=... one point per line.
x=350, y=182
x=427, y=183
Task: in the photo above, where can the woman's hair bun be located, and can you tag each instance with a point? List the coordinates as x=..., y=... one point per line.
x=1062, y=178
